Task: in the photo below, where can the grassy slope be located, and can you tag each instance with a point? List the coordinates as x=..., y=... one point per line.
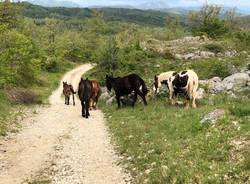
x=47, y=83
x=166, y=144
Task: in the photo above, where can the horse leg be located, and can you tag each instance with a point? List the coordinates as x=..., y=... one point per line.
x=187, y=101
x=73, y=99
x=95, y=104
x=91, y=102
x=143, y=97
x=134, y=99
x=171, y=97
x=65, y=99
x=83, y=109
x=118, y=101
x=68, y=100
x=194, y=100
x=87, y=109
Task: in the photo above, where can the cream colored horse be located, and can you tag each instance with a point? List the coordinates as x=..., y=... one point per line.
x=186, y=82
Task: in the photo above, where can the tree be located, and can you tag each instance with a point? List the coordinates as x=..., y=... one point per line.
x=109, y=59
x=208, y=21
x=9, y=14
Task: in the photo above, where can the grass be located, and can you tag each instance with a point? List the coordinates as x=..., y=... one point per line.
x=167, y=144
x=47, y=82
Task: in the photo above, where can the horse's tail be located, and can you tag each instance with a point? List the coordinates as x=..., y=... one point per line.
x=144, y=88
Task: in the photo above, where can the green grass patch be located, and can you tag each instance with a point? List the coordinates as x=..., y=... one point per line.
x=46, y=83
x=167, y=144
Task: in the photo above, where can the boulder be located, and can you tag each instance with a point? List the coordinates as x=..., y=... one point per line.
x=213, y=117
x=215, y=85
x=236, y=81
x=201, y=93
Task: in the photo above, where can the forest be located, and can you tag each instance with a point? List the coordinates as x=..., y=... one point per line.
x=39, y=44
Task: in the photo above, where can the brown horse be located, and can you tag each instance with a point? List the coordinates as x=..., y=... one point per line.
x=67, y=91
x=95, y=94
x=84, y=92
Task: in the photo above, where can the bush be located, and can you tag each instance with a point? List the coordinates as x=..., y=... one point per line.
x=243, y=38
x=22, y=96
x=208, y=20
x=16, y=59
x=51, y=65
x=214, y=47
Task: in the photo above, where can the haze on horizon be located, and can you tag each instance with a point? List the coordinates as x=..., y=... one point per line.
x=170, y=3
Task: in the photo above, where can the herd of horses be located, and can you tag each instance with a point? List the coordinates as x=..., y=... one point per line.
x=89, y=91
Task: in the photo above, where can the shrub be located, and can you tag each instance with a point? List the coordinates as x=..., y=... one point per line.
x=51, y=65
x=243, y=38
x=16, y=59
x=214, y=47
x=208, y=20
x=22, y=96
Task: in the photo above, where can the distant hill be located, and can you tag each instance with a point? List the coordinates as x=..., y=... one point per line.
x=143, y=17
x=54, y=3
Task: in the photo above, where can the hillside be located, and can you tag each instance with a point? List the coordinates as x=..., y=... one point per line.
x=144, y=17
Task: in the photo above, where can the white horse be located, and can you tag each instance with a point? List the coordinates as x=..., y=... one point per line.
x=162, y=77
x=185, y=82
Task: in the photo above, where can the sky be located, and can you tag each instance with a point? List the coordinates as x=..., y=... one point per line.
x=170, y=3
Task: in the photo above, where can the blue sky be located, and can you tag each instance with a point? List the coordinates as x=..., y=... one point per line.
x=171, y=3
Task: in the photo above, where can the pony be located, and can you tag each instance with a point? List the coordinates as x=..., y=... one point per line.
x=67, y=91
x=95, y=94
x=126, y=85
x=185, y=82
x=158, y=79
x=84, y=93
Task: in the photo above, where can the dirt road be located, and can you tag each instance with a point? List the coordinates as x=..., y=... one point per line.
x=60, y=145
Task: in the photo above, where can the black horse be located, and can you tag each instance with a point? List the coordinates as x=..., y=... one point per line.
x=126, y=85
x=84, y=92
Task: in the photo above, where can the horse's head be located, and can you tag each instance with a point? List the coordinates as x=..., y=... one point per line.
x=64, y=84
x=109, y=81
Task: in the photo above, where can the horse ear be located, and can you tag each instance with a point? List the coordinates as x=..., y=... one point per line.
x=107, y=76
x=87, y=78
x=156, y=77
x=81, y=79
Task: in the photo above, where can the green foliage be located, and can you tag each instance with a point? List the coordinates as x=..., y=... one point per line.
x=9, y=14
x=16, y=62
x=51, y=64
x=214, y=47
x=243, y=39
x=208, y=22
x=109, y=59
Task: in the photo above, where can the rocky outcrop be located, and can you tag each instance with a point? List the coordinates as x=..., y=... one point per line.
x=187, y=48
x=236, y=82
x=195, y=55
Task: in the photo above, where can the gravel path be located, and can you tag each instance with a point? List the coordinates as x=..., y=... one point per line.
x=59, y=144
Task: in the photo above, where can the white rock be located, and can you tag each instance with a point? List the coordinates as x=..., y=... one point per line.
x=212, y=117
x=201, y=93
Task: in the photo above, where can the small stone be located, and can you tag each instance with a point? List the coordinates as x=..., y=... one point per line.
x=213, y=117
